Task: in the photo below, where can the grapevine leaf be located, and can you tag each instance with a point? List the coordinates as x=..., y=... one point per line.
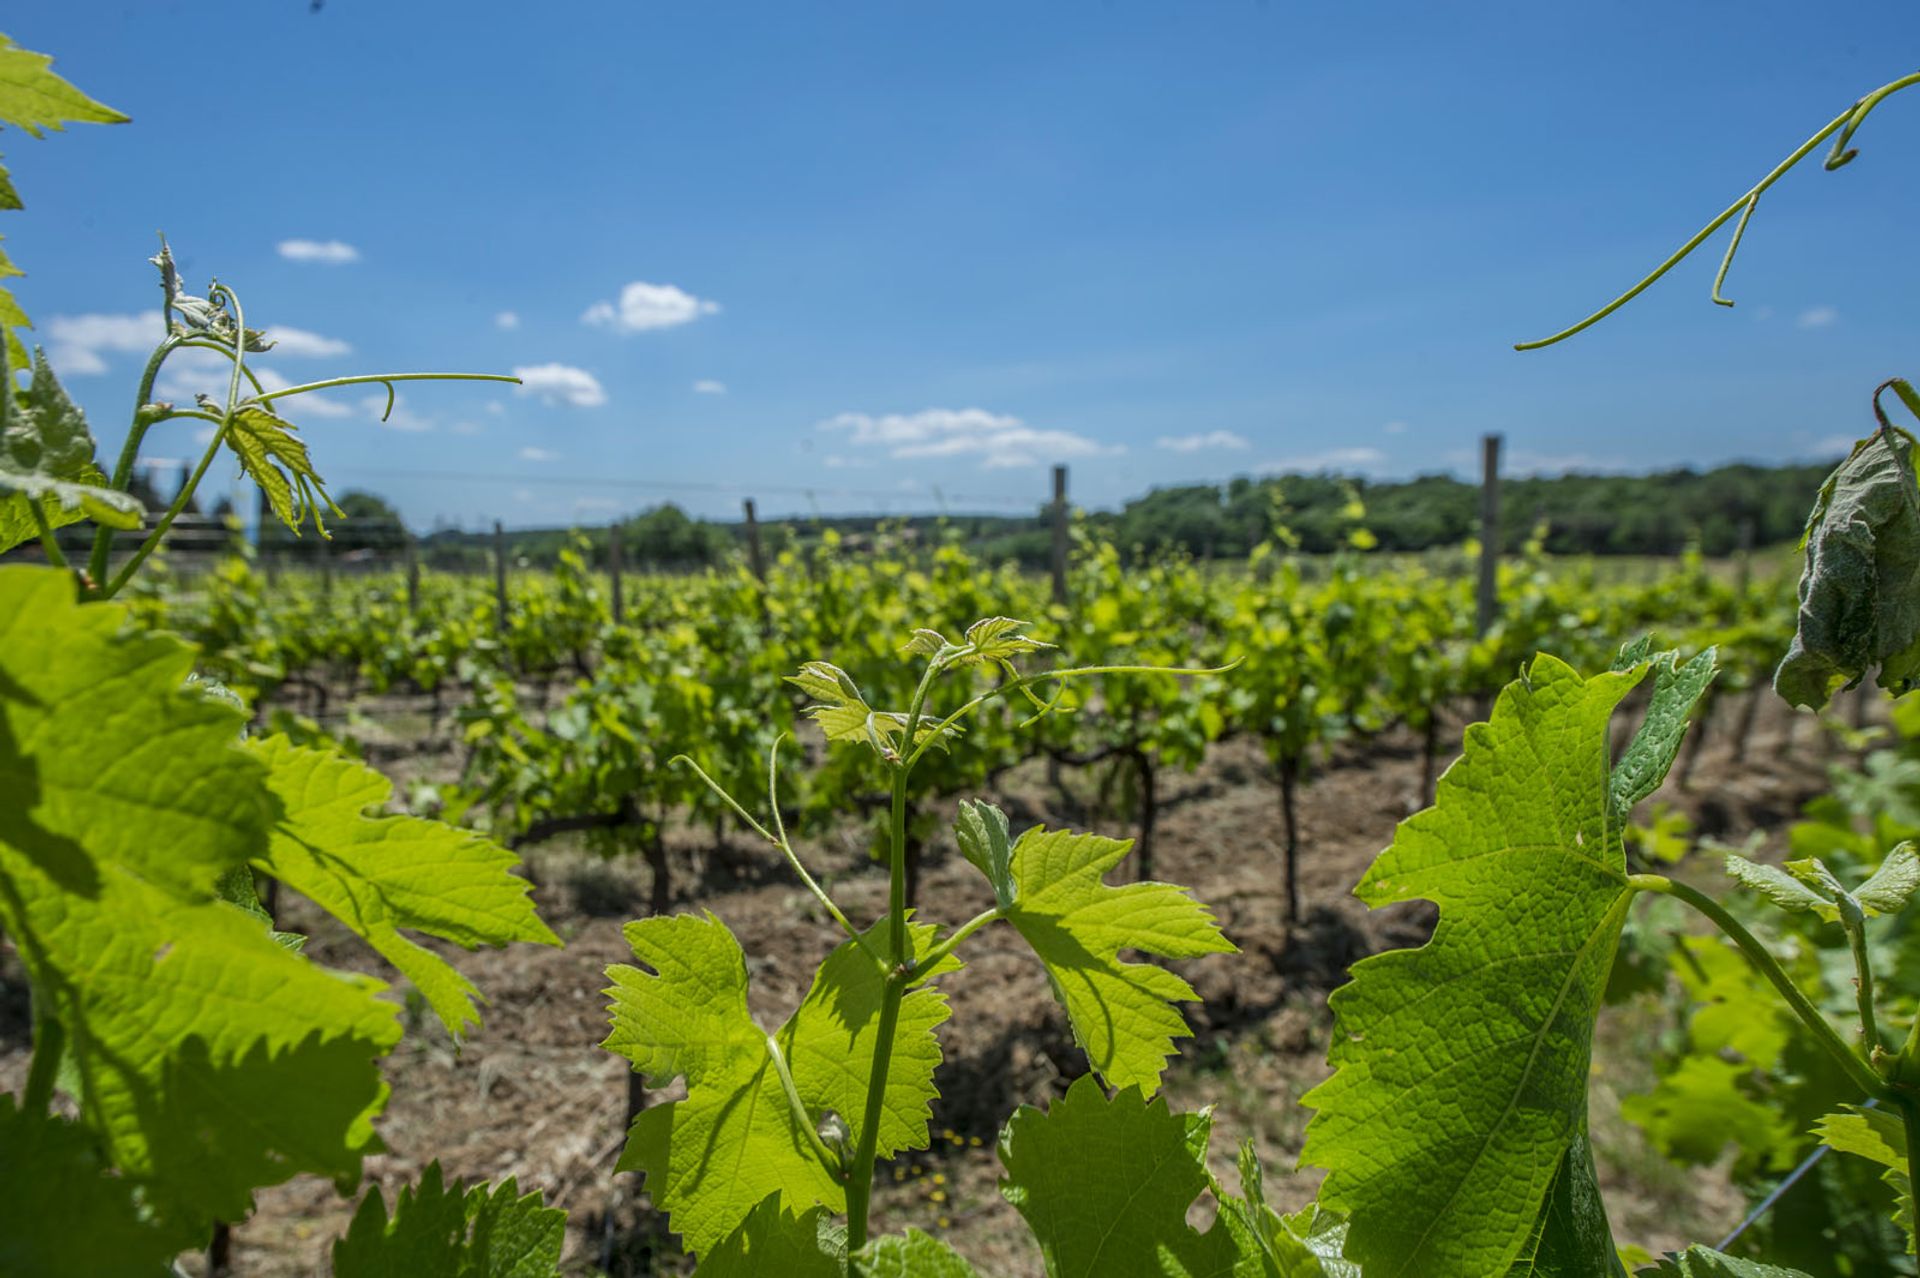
x=378, y=874
x=925, y=643
x=843, y=714
x=771, y=1243
x=1704, y=1262
x=1276, y=1246
x=1774, y=883
x=34, y=98
x=910, y=1255
x=208, y=1060
x=1857, y=607
x=482, y=1231
x=275, y=458
x=1461, y=1067
x=46, y=457
x=1878, y=1137
x=1129, y=1219
x=1121, y=1012
x=1676, y=690
x=9, y=199
x=986, y=841
x=735, y=1139
x=1893, y=884
x=62, y=1214
x=236, y=888
x=1693, y=1112
x=1571, y=1237
x=993, y=639
x=830, y=1038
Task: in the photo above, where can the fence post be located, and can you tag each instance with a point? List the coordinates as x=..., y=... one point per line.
x=1060, y=534
x=754, y=555
x=325, y=548
x=614, y=572
x=1489, y=600
x=413, y=574
x=499, y=577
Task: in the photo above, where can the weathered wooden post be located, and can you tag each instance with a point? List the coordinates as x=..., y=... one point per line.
x=615, y=569
x=1060, y=534
x=1489, y=598
x=413, y=574
x=756, y=559
x=499, y=577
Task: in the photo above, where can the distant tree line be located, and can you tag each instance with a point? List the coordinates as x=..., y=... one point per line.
x=1658, y=514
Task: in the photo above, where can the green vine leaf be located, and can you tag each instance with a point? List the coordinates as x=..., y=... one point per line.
x=274, y=457
x=1783, y=889
x=772, y=1242
x=912, y=1255
x=986, y=841
x=1893, y=884
x=1121, y=1013
x=1461, y=1067
x=996, y=639
x=1878, y=1137
x=1857, y=605
x=64, y=1213
x=1704, y=1262
x=1644, y=765
x=47, y=458
x=33, y=98
x=1129, y=1217
x=843, y=714
x=712, y=1158
x=482, y=1231
x=378, y=874
x=208, y=1060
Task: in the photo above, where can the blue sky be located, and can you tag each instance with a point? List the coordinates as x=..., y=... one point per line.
x=890, y=257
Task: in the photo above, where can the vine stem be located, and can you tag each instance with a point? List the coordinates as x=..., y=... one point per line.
x=899, y=974
x=129, y=450
x=1862, y=1075
x=49, y=1045
x=1848, y=120
x=55, y=556
x=367, y=379
x=180, y=501
x=1910, y=1122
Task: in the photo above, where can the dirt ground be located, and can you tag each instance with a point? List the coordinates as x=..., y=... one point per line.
x=530, y=1095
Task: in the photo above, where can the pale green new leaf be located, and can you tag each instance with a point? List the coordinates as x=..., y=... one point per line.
x=1705, y=1262
x=481, y=1231
x=844, y=715
x=378, y=874
x=993, y=639
x=33, y=98
x=1105, y=1186
x=987, y=842
x=1783, y=889
x=209, y=1060
x=1276, y=1246
x=910, y=1255
x=275, y=458
x=1857, y=605
x=62, y=1215
x=1461, y=1067
x=771, y=1243
x=1122, y=1013
x=712, y=1158
x=1878, y=1137
x=1893, y=884
x=1693, y=1113
x=1676, y=690
x=46, y=457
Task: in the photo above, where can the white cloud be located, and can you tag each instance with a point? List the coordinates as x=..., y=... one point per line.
x=326, y=252
x=1830, y=446
x=495, y=407
x=1394, y=428
x=643, y=307
x=707, y=386
x=533, y=454
x=506, y=320
x=463, y=428
x=1195, y=443
x=561, y=383
x=1817, y=317
x=997, y=439
x=1332, y=459
x=400, y=417
x=79, y=343
x=197, y=371
x=301, y=344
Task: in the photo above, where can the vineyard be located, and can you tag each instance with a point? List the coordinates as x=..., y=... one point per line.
x=900, y=912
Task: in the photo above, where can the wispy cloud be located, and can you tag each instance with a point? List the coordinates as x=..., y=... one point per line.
x=463, y=428
x=532, y=454
x=325, y=252
x=1817, y=317
x=1335, y=459
x=707, y=386
x=643, y=307
x=79, y=344
x=1212, y=439
x=997, y=439
x=1394, y=428
x=301, y=344
x=507, y=320
x=560, y=384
